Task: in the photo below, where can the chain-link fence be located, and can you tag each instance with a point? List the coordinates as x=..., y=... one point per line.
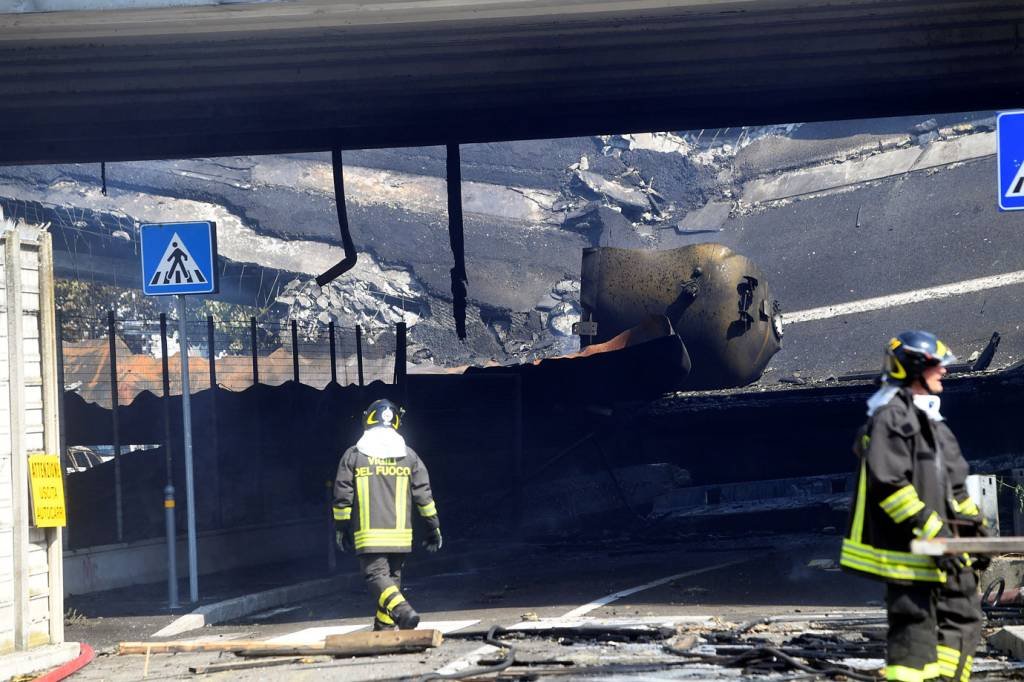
x=104, y=357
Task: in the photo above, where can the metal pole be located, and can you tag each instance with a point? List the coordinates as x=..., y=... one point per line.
x=169, y=503
x=295, y=350
x=359, y=352
x=255, y=352
x=334, y=360
x=59, y=324
x=211, y=341
x=119, y=510
x=190, y=491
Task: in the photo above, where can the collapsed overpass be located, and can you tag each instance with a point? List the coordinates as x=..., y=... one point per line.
x=314, y=74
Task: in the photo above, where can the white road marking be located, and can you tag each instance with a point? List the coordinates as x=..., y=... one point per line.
x=625, y=623
x=473, y=657
x=315, y=635
x=967, y=286
x=615, y=596
x=446, y=626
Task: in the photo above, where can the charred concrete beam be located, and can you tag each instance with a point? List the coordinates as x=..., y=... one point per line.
x=308, y=75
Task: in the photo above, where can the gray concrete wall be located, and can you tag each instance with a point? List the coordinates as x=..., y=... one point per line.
x=110, y=566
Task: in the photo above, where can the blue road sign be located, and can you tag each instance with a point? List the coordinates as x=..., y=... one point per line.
x=1010, y=159
x=179, y=258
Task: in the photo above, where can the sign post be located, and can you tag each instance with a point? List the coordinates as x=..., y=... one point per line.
x=180, y=259
x=1010, y=159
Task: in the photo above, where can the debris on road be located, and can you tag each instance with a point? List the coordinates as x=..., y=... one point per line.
x=352, y=644
x=232, y=666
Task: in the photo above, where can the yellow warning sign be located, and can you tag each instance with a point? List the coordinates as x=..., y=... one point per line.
x=48, y=510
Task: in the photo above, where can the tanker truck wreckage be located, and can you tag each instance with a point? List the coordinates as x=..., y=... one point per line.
x=692, y=318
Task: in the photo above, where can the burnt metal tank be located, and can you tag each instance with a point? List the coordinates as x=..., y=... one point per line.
x=717, y=300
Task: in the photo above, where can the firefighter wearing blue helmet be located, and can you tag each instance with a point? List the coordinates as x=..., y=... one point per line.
x=379, y=480
x=912, y=484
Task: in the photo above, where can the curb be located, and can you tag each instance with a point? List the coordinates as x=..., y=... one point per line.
x=41, y=658
x=237, y=607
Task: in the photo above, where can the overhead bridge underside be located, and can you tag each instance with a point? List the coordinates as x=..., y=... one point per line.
x=317, y=74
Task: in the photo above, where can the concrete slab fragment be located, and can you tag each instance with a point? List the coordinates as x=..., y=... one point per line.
x=832, y=176
x=1009, y=641
x=711, y=216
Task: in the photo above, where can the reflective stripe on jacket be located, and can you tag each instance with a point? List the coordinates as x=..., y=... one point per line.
x=910, y=481
x=376, y=495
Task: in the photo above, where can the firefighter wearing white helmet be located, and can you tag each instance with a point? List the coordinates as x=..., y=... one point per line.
x=378, y=481
x=912, y=484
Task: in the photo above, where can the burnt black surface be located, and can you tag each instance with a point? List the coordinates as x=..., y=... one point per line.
x=300, y=76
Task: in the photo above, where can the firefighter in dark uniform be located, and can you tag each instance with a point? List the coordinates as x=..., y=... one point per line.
x=378, y=481
x=912, y=484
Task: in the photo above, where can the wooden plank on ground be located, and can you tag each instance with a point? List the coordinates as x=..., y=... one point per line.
x=940, y=546
x=384, y=641
x=247, y=665
x=352, y=644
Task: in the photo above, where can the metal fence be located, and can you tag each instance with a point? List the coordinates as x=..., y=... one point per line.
x=111, y=361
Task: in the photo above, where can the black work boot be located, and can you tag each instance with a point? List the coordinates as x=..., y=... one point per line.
x=405, y=616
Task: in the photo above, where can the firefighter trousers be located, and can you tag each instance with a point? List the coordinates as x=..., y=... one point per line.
x=958, y=609
x=383, y=575
x=933, y=629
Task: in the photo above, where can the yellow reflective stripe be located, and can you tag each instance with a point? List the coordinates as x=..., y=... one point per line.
x=398, y=599
x=905, y=493
x=906, y=511
x=342, y=513
x=363, y=496
x=889, y=564
x=949, y=659
x=968, y=507
x=385, y=594
x=965, y=675
x=857, y=531
x=931, y=671
x=383, y=538
x=384, y=618
x=427, y=510
x=905, y=674
x=931, y=527
x=401, y=501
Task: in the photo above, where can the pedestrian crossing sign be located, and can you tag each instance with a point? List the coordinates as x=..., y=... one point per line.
x=1010, y=159
x=179, y=258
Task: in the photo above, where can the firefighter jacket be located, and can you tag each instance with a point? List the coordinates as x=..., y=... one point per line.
x=375, y=495
x=911, y=483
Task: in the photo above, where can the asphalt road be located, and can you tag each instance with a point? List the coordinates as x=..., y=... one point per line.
x=732, y=580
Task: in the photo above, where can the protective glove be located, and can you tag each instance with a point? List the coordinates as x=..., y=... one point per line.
x=983, y=530
x=342, y=538
x=980, y=562
x=433, y=541
x=951, y=563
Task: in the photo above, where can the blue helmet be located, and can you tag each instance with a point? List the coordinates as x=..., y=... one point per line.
x=909, y=353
